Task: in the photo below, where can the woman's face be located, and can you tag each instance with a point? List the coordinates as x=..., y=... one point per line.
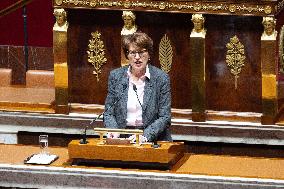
x=138, y=59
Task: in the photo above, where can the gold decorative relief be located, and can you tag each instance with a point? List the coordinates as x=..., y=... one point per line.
x=96, y=53
x=197, y=7
x=232, y=8
x=162, y=5
x=93, y=3
x=58, y=2
x=165, y=54
x=281, y=50
x=267, y=9
x=235, y=57
x=127, y=4
x=184, y=6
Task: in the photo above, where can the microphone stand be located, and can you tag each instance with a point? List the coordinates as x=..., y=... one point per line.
x=84, y=137
x=155, y=144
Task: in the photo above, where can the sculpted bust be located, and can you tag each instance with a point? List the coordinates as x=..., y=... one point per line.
x=269, y=28
x=129, y=23
x=61, y=20
x=198, y=29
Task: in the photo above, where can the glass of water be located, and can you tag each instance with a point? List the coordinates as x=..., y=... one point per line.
x=43, y=142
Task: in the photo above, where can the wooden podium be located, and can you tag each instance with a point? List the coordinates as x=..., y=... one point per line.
x=126, y=156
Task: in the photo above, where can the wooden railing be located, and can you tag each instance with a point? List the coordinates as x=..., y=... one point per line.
x=14, y=7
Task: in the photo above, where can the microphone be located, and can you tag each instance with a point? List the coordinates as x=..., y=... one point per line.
x=135, y=89
x=84, y=138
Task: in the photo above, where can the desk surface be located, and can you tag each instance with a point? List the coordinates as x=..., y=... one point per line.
x=217, y=165
x=15, y=154
x=194, y=170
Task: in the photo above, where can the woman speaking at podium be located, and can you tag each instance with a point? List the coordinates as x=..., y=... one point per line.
x=139, y=94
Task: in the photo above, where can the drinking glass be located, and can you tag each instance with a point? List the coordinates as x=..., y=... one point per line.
x=43, y=142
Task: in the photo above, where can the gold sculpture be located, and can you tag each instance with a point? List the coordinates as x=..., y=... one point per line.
x=96, y=54
x=235, y=57
x=198, y=29
x=165, y=54
x=61, y=23
x=269, y=28
x=129, y=28
x=129, y=23
x=281, y=50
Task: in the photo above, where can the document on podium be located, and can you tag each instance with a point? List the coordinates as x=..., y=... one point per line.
x=118, y=141
x=41, y=159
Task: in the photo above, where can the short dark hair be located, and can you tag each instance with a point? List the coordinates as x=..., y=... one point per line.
x=139, y=39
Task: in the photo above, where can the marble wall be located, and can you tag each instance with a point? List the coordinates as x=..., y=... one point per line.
x=13, y=57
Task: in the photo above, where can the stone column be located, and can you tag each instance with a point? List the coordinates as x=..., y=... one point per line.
x=60, y=61
x=197, y=60
x=268, y=71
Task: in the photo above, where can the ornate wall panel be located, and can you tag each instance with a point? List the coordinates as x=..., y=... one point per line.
x=249, y=7
x=221, y=93
x=83, y=85
x=177, y=27
x=223, y=21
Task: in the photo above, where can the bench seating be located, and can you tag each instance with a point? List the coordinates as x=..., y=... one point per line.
x=38, y=95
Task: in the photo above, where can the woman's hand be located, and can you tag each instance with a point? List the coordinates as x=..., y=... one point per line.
x=113, y=135
x=142, y=139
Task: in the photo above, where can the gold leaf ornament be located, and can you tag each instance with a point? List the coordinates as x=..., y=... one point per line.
x=96, y=53
x=165, y=54
x=235, y=57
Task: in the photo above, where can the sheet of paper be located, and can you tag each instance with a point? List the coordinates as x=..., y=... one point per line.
x=44, y=159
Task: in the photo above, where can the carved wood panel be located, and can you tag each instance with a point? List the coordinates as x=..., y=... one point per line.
x=221, y=93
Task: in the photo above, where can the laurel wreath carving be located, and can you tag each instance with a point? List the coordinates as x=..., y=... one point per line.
x=281, y=50
x=96, y=53
x=235, y=57
x=165, y=54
